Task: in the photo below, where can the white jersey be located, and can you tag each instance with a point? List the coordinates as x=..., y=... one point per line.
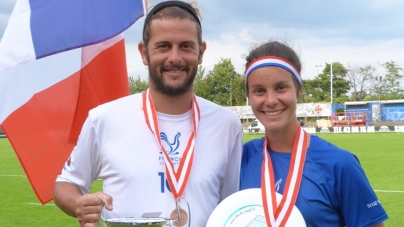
x=117, y=146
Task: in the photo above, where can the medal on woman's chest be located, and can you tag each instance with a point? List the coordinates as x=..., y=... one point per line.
x=277, y=215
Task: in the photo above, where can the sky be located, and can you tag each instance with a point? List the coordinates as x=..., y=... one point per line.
x=358, y=33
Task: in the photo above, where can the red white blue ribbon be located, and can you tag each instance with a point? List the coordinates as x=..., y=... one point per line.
x=273, y=61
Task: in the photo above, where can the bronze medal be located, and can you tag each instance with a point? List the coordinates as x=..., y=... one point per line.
x=182, y=220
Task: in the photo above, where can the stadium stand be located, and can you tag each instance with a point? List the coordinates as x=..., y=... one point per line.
x=349, y=119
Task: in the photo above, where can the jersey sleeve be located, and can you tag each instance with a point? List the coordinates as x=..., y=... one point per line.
x=81, y=168
x=359, y=204
x=251, y=164
x=231, y=182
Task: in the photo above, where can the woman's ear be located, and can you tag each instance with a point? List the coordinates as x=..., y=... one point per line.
x=299, y=92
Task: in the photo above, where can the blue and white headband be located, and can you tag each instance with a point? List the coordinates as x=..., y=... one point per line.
x=273, y=61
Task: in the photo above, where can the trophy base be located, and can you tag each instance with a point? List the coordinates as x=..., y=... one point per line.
x=139, y=222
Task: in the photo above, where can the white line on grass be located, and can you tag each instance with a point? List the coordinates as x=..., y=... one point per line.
x=389, y=191
x=8, y=175
x=39, y=204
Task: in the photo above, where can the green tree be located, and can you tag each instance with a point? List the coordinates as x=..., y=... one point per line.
x=342, y=99
x=319, y=89
x=199, y=82
x=312, y=92
x=222, y=85
x=137, y=85
x=238, y=90
x=389, y=85
x=359, y=79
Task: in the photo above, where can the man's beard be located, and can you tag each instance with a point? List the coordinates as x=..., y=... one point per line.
x=164, y=88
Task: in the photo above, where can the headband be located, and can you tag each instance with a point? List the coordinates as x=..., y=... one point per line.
x=166, y=4
x=273, y=61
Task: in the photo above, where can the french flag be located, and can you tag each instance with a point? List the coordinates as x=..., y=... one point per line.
x=58, y=60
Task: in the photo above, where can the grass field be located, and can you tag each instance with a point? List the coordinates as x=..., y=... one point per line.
x=381, y=155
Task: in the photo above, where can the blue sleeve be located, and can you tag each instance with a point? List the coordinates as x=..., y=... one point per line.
x=358, y=202
x=251, y=162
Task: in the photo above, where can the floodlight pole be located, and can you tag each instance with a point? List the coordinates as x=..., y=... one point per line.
x=379, y=83
x=331, y=77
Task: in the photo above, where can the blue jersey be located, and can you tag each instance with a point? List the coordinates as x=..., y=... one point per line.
x=334, y=190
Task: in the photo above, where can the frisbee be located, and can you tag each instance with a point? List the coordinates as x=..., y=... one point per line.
x=244, y=208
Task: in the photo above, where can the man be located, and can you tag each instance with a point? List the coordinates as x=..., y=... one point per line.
x=121, y=141
x=301, y=122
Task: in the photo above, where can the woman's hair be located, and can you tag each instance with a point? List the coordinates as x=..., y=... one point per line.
x=277, y=49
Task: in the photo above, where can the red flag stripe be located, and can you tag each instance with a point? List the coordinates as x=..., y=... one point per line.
x=41, y=140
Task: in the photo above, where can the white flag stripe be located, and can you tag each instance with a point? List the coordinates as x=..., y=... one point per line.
x=44, y=73
x=54, y=69
x=16, y=44
x=90, y=52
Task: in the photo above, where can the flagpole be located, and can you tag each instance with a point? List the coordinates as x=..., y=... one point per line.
x=331, y=77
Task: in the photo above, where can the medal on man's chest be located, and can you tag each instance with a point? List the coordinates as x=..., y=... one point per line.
x=177, y=179
x=180, y=216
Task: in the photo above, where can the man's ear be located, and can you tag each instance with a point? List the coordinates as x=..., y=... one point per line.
x=143, y=52
x=202, y=51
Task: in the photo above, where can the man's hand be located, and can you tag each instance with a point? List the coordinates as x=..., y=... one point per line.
x=89, y=208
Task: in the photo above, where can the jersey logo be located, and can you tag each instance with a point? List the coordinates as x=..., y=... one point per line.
x=68, y=162
x=278, y=184
x=174, y=145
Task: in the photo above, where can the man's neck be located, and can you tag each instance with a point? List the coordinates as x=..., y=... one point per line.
x=173, y=105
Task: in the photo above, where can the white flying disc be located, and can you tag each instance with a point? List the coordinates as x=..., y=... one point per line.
x=244, y=208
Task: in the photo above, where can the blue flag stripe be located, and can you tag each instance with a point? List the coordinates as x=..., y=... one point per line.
x=59, y=25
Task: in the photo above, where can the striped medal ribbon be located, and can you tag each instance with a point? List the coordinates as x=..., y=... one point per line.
x=277, y=215
x=176, y=179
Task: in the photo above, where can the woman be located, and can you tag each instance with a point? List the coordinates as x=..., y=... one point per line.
x=326, y=183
